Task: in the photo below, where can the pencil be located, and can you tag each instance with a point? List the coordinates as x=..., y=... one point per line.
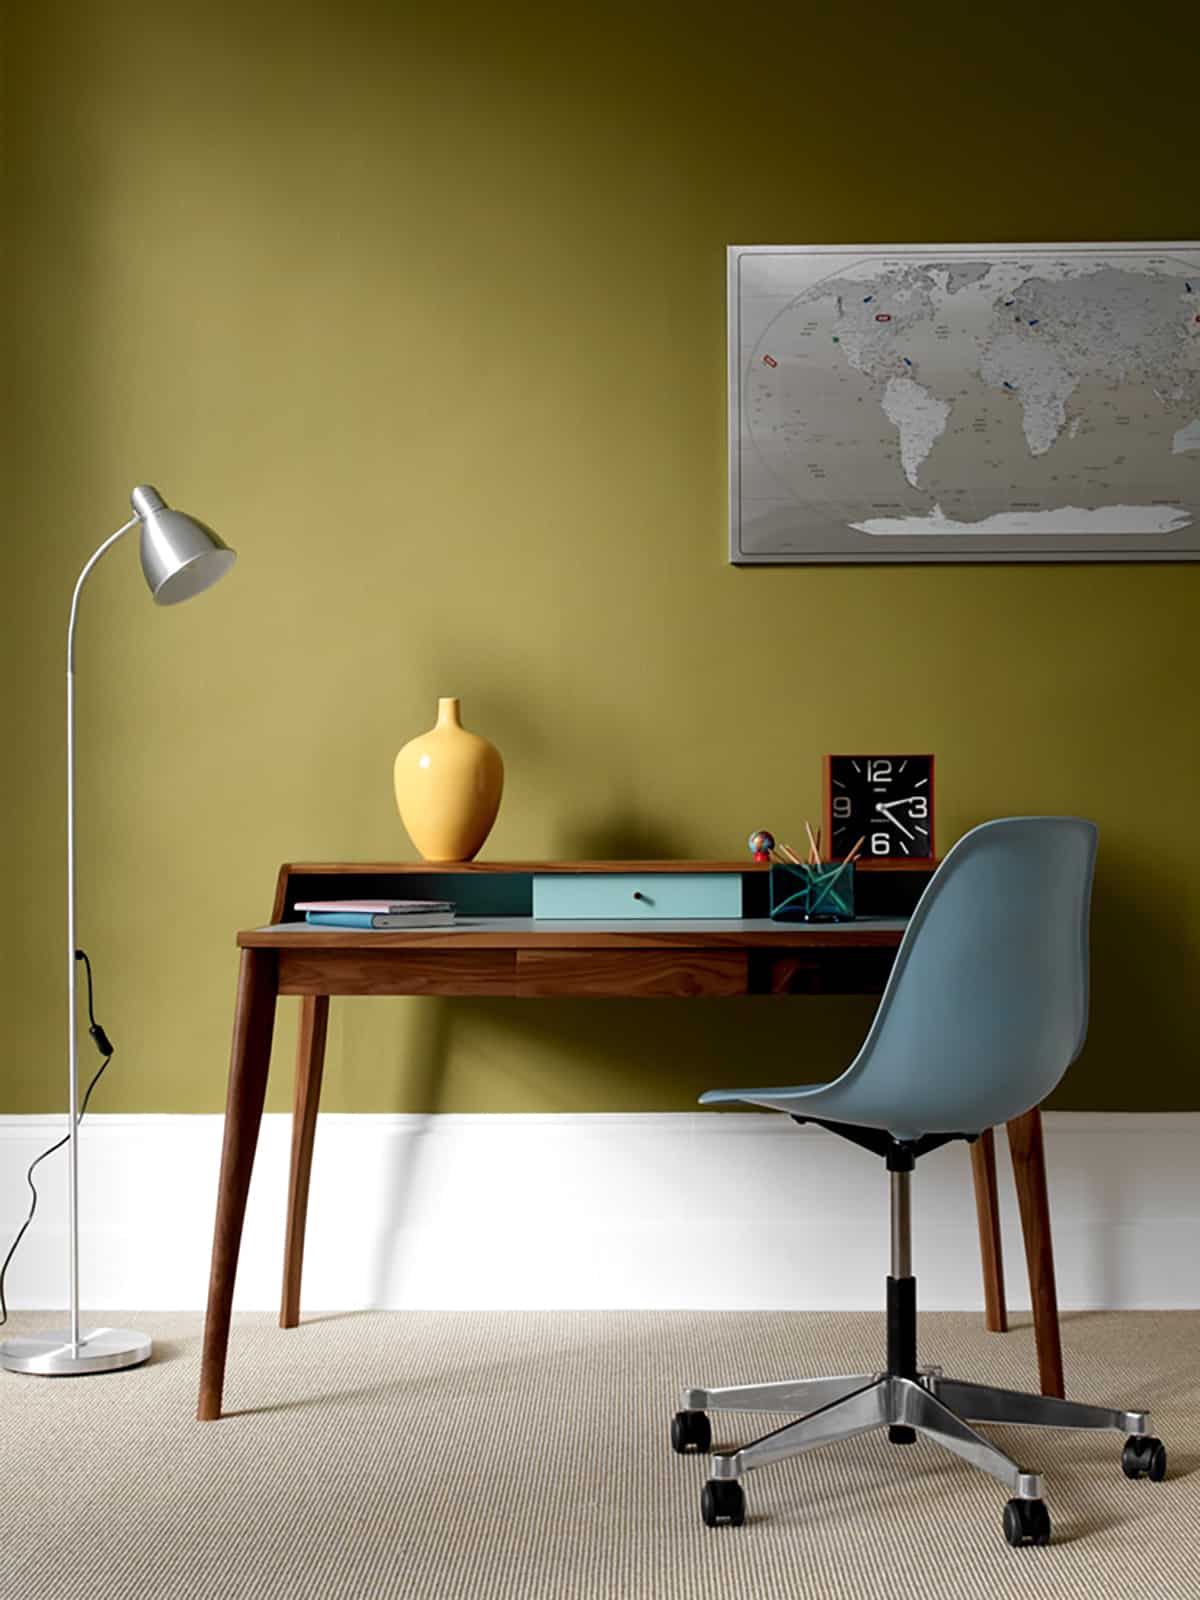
x=815, y=855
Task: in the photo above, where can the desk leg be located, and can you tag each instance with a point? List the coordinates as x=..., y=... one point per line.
x=310, y=1063
x=987, y=1208
x=1029, y=1170
x=250, y=1059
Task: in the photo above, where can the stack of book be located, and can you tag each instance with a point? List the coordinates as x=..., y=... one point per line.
x=377, y=913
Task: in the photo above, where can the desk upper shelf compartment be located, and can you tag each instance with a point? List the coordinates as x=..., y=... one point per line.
x=507, y=888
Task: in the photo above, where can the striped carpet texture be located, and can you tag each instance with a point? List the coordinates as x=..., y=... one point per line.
x=454, y=1455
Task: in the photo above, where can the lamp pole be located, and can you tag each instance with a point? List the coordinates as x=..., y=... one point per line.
x=180, y=558
x=72, y=986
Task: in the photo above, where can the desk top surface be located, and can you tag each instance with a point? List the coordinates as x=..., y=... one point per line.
x=406, y=868
x=515, y=933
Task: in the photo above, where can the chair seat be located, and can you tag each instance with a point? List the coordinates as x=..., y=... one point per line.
x=761, y=1097
x=843, y=1100
x=800, y=1099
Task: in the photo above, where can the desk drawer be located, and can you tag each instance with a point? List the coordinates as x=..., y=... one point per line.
x=670, y=974
x=636, y=895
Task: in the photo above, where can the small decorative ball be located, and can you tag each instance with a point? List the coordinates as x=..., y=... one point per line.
x=760, y=844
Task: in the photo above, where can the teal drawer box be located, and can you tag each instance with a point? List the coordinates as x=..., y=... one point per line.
x=636, y=895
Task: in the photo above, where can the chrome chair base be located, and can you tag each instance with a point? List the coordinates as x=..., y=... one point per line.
x=904, y=1398
x=938, y=1407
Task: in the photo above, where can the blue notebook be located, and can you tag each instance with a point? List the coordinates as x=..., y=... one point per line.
x=377, y=919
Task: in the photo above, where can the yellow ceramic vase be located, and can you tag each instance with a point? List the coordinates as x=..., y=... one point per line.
x=448, y=787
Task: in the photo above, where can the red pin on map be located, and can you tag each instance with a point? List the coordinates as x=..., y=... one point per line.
x=770, y=361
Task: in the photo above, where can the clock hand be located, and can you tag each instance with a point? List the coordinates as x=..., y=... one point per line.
x=895, y=821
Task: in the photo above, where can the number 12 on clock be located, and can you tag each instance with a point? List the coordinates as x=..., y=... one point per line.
x=886, y=800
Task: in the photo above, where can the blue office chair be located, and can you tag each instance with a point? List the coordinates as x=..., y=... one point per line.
x=985, y=1009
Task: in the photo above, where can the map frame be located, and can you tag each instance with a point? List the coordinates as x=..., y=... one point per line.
x=839, y=543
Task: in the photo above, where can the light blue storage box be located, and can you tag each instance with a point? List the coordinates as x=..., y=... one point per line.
x=566, y=896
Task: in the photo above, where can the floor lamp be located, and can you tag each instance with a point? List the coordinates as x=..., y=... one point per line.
x=180, y=558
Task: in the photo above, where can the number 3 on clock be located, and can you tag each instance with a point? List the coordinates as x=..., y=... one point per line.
x=888, y=800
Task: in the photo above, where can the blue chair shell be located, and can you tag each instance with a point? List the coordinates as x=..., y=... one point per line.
x=987, y=1003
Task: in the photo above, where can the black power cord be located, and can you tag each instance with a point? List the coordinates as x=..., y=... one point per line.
x=104, y=1045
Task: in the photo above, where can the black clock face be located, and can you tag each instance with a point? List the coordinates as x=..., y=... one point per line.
x=887, y=801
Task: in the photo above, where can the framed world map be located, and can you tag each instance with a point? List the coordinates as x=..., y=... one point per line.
x=1002, y=402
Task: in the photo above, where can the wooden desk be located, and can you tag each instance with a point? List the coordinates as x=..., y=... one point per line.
x=492, y=952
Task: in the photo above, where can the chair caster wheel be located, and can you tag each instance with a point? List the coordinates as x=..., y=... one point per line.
x=1026, y=1522
x=899, y=1433
x=691, y=1433
x=722, y=1501
x=1144, y=1456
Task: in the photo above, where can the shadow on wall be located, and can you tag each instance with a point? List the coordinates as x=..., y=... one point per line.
x=591, y=1055
x=421, y=1081
x=595, y=1055
x=599, y=1055
x=621, y=834
x=1136, y=935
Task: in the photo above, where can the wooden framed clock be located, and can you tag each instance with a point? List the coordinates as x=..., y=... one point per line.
x=887, y=801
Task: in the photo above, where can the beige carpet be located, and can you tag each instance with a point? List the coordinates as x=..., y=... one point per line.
x=372, y=1455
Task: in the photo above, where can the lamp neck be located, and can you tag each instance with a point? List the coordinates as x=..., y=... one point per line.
x=146, y=499
x=108, y=543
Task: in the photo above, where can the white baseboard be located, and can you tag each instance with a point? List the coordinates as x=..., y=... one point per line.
x=689, y=1210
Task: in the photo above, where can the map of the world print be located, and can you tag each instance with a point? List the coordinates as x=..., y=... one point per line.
x=964, y=402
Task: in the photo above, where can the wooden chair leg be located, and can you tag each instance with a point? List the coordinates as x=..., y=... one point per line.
x=249, y=1063
x=987, y=1209
x=310, y=1064
x=1029, y=1169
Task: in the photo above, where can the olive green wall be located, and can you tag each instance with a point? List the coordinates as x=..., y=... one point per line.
x=423, y=308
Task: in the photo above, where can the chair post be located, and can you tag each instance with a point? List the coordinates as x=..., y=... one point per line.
x=901, y=1285
x=901, y=1224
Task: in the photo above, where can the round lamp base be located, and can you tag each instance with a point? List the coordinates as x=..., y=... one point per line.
x=50, y=1355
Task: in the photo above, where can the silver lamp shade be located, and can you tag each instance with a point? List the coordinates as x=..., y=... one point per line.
x=180, y=556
